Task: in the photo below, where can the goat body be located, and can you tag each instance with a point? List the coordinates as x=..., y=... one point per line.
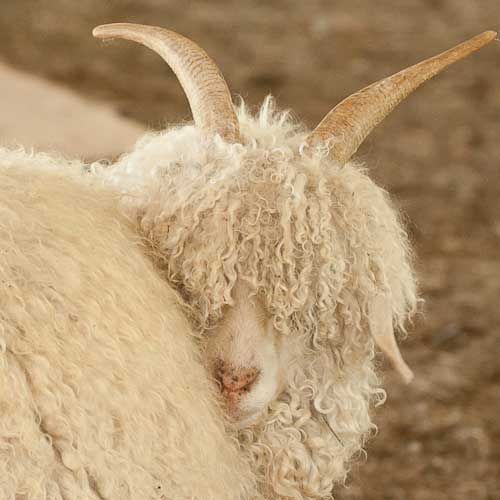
x=102, y=392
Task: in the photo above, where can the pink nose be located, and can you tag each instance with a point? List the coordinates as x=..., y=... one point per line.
x=236, y=379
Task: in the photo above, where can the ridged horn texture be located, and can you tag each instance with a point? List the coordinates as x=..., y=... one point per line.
x=347, y=125
x=204, y=85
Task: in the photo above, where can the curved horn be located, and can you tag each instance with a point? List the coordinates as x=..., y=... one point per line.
x=347, y=125
x=205, y=87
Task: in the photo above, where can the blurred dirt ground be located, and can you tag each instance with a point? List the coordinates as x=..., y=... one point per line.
x=438, y=154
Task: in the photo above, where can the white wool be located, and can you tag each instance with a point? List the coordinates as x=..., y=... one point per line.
x=319, y=241
x=102, y=390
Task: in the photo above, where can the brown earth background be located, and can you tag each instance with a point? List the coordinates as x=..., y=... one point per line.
x=438, y=154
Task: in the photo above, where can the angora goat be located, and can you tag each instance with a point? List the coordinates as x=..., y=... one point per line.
x=102, y=391
x=292, y=261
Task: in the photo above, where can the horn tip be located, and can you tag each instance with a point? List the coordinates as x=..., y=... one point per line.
x=489, y=36
x=104, y=31
x=482, y=39
x=100, y=31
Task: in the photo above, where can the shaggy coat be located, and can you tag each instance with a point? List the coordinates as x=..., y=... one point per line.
x=320, y=242
x=102, y=393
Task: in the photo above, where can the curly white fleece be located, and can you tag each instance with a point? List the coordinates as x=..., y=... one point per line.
x=318, y=240
x=102, y=389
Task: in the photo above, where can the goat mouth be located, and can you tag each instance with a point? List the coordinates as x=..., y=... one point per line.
x=232, y=401
x=240, y=417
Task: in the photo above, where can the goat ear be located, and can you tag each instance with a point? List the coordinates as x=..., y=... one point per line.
x=382, y=331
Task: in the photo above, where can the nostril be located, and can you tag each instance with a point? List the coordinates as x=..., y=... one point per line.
x=236, y=379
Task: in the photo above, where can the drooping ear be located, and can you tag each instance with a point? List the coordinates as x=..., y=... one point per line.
x=382, y=331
